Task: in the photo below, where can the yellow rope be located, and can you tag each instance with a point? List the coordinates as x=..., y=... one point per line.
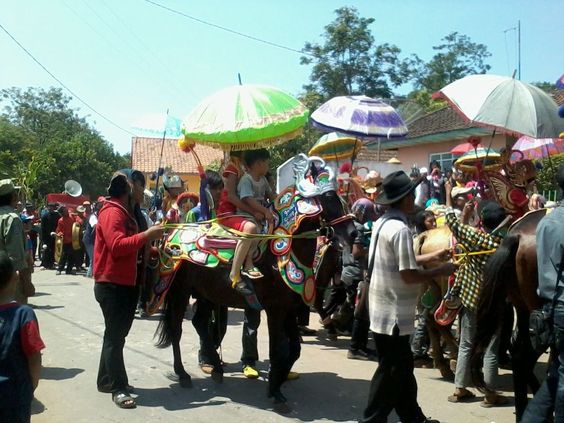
x=465, y=253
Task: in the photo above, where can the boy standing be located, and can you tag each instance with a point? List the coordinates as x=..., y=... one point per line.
x=20, y=349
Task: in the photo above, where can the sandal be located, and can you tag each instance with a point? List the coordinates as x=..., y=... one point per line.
x=124, y=400
x=465, y=397
x=252, y=273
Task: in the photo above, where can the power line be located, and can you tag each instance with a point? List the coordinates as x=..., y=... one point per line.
x=62, y=83
x=232, y=31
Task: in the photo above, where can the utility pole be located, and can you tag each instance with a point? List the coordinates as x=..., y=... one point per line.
x=519, y=49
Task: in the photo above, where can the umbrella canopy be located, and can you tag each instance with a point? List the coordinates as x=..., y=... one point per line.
x=336, y=146
x=156, y=124
x=464, y=148
x=560, y=82
x=483, y=156
x=359, y=116
x=244, y=117
x=504, y=103
x=538, y=148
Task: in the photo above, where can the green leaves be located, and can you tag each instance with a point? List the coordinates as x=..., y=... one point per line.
x=44, y=142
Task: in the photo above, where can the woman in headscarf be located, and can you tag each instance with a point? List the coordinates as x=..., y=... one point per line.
x=119, y=269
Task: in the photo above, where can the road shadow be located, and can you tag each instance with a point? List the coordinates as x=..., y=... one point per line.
x=59, y=373
x=342, y=399
x=40, y=294
x=45, y=307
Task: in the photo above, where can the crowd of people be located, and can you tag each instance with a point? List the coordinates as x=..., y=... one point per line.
x=376, y=290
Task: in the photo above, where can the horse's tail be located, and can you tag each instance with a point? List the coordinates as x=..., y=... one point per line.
x=499, y=269
x=165, y=330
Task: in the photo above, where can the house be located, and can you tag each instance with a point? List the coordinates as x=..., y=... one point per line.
x=146, y=157
x=432, y=136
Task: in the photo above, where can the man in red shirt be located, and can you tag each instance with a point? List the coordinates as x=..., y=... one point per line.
x=64, y=230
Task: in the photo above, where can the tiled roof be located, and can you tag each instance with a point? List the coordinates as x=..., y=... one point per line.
x=145, y=153
x=371, y=155
x=558, y=96
x=442, y=120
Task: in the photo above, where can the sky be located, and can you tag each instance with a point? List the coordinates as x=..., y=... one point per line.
x=128, y=58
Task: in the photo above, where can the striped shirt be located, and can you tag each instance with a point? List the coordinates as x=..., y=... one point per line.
x=391, y=301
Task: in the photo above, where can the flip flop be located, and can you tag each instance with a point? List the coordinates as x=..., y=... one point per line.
x=252, y=273
x=124, y=400
x=499, y=400
x=461, y=398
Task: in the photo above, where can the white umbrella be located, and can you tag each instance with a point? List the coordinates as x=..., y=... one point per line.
x=504, y=103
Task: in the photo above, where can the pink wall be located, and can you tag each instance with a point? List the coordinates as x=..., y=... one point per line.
x=418, y=155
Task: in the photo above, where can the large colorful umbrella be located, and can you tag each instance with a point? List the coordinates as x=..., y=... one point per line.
x=464, y=148
x=505, y=104
x=359, y=116
x=481, y=157
x=245, y=117
x=560, y=82
x=538, y=148
x=336, y=146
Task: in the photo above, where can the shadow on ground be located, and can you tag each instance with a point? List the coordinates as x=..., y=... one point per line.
x=59, y=373
x=45, y=307
x=37, y=406
x=343, y=399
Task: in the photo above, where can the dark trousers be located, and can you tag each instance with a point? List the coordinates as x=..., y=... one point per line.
x=67, y=258
x=420, y=341
x=393, y=386
x=359, y=336
x=549, y=398
x=118, y=307
x=249, y=357
x=48, y=255
x=215, y=327
x=21, y=414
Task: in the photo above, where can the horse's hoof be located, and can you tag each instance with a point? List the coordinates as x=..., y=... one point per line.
x=185, y=382
x=447, y=373
x=217, y=377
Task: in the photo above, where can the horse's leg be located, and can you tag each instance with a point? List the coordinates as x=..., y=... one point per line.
x=439, y=360
x=200, y=322
x=521, y=363
x=176, y=318
x=279, y=353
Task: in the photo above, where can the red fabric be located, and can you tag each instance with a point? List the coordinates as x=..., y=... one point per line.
x=225, y=206
x=518, y=197
x=117, y=245
x=234, y=222
x=64, y=226
x=30, y=338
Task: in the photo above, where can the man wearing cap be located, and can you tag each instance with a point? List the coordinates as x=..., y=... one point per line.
x=12, y=236
x=64, y=230
x=49, y=221
x=395, y=276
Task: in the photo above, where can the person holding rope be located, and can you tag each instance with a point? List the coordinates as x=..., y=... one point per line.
x=476, y=244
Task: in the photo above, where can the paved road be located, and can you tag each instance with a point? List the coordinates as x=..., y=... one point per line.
x=331, y=387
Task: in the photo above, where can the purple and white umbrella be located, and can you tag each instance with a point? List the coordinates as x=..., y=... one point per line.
x=538, y=148
x=359, y=116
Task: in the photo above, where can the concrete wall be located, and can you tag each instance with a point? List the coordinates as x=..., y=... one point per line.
x=418, y=155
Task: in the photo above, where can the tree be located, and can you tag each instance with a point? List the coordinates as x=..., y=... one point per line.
x=456, y=57
x=44, y=142
x=349, y=62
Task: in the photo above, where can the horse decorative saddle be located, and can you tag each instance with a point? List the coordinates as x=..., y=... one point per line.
x=214, y=245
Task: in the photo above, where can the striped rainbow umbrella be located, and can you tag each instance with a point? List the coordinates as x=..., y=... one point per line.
x=538, y=148
x=336, y=146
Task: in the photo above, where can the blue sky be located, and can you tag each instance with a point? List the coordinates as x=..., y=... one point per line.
x=128, y=58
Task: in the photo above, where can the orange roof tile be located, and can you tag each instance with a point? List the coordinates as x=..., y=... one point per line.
x=145, y=154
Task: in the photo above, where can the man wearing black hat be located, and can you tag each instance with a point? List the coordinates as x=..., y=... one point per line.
x=549, y=398
x=395, y=276
x=49, y=221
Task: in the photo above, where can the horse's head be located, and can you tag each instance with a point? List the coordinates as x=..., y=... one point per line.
x=318, y=180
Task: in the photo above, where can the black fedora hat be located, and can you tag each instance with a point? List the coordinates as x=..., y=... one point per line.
x=396, y=186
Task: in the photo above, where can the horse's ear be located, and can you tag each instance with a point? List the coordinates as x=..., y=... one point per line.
x=313, y=170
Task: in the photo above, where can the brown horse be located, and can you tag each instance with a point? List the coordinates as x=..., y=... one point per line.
x=279, y=302
x=429, y=242
x=511, y=272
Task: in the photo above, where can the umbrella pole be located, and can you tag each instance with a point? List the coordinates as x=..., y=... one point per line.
x=156, y=197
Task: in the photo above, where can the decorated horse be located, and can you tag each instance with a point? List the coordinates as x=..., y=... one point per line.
x=511, y=272
x=199, y=262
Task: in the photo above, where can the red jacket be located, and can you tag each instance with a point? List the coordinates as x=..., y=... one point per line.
x=64, y=226
x=117, y=245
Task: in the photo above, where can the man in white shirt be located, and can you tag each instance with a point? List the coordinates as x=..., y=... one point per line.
x=394, y=286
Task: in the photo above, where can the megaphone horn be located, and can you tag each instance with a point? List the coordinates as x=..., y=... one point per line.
x=73, y=188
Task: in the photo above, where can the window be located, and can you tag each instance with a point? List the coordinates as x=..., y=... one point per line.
x=444, y=159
